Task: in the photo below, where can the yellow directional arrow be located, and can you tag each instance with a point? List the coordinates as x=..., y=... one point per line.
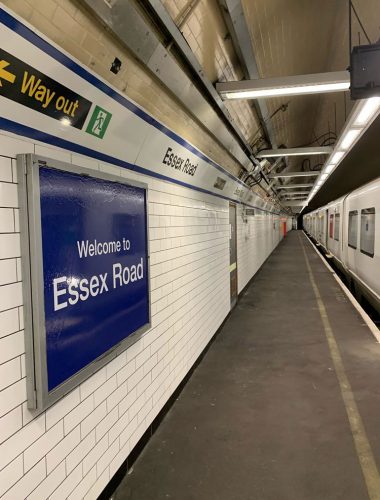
x=6, y=75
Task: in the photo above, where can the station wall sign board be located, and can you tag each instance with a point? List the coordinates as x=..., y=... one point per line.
x=49, y=97
x=87, y=237
x=24, y=84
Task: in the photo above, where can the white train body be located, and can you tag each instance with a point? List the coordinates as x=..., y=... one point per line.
x=349, y=229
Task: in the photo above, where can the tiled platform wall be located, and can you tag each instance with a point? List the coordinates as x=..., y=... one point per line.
x=73, y=449
x=257, y=236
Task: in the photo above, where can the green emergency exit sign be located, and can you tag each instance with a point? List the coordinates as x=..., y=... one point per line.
x=99, y=122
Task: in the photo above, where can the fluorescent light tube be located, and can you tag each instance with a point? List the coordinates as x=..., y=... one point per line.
x=273, y=153
x=337, y=157
x=283, y=91
x=349, y=138
x=368, y=110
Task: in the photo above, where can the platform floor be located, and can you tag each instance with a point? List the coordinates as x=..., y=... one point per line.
x=272, y=410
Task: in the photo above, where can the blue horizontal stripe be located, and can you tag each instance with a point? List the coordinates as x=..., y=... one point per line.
x=16, y=128
x=37, y=135
x=56, y=54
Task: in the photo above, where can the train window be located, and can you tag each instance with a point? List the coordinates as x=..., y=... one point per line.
x=367, y=231
x=353, y=229
x=331, y=230
x=336, y=227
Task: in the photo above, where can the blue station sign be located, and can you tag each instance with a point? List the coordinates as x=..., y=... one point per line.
x=94, y=258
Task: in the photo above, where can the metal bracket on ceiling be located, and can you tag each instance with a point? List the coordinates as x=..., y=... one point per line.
x=234, y=17
x=124, y=20
x=233, y=14
x=181, y=43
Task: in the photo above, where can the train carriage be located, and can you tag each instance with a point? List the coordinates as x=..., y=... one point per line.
x=349, y=230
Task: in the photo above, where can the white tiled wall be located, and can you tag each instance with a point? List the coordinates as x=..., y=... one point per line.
x=257, y=236
x=74, y=448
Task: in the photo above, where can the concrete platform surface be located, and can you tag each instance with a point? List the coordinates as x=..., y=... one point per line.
x=263, y=417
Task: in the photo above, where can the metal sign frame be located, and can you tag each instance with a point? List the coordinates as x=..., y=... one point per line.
x=39, y=397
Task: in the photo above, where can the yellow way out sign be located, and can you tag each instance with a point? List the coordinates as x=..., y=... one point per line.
x=29, y=87
x=4, y=74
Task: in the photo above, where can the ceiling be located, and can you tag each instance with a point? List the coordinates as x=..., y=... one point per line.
x=362, y=165
x=287, y=40
x=289, y=37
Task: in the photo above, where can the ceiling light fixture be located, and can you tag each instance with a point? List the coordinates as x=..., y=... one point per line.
x=307, y=173
x=288, y=91
x=297, y=193
x=367, y=111
x=317, y=83
x=293, y=186
x=349, y=138
x=362, y=115
x=336, y=157
x=272, y=153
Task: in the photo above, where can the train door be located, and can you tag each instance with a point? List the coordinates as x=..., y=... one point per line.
x=344, y=231
x=331, y=226
x=326, y=228
x=321, y=216
x=320, y=227
x=233, y=256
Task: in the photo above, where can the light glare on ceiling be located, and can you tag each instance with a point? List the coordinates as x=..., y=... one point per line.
x=65, y=121
x=362, y=116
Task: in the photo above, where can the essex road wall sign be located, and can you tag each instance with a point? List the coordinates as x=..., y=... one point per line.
x=89, y=265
